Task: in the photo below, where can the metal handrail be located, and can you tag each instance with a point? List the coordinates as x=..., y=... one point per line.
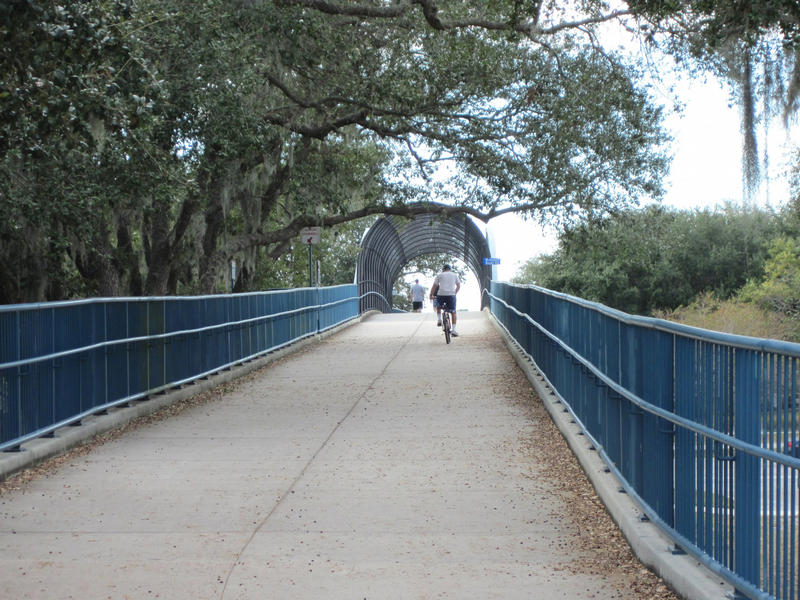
x=160, y=336
x=657, y=410
x=10, y=371
x=717, y=380
x=381, y=296
x=728, y=339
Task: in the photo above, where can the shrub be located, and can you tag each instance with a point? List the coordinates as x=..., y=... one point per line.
x=734, y=316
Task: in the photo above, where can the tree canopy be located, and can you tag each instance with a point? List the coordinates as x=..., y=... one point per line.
x=643, y=260
x=144, y=145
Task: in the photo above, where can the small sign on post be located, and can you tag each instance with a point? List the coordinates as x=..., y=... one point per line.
x=491, y=261
x=310, y=235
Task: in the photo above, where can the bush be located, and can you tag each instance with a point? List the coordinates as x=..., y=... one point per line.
x=780, y=289
x=656, y=258
x=735, y=316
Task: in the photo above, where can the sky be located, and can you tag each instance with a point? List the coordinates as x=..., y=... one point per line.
x=705, y=172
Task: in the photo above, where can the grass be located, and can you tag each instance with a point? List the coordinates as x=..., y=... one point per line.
x=734, y=316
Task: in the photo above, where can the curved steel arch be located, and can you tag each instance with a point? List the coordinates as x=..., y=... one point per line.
x=393, y=242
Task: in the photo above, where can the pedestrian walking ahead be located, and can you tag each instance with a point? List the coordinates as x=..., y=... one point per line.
x=417, y=296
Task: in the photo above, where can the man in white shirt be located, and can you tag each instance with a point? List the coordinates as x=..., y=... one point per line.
x=417, y=296
x=445, y=287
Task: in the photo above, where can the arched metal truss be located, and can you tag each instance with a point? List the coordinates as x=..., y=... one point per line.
x=393, y=242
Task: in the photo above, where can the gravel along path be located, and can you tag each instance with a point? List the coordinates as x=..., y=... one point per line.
x=598, y=545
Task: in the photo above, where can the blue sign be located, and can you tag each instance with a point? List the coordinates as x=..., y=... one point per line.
x=491, y=261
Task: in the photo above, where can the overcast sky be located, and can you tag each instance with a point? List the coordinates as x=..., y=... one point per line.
x=705, y=172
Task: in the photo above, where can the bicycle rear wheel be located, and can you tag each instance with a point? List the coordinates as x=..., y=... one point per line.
x=446, y=326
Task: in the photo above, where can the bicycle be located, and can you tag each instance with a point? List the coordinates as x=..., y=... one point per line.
x=446, y=325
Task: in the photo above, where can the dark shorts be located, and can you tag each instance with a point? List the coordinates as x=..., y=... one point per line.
x=447, y=303
x=416, y=305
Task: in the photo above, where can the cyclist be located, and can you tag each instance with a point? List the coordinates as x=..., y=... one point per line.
x=445, y=287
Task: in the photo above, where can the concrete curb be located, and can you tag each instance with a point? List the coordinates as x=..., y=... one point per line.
x=40, y=449
x=683, y=573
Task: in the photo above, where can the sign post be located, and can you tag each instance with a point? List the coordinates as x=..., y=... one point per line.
x=310, y=272
x=310, y=236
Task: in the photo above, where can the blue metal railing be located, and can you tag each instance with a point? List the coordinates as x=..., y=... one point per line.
x=62, y=361
x=701, y=427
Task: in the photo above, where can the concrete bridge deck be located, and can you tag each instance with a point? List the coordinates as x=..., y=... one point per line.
x=378, y=463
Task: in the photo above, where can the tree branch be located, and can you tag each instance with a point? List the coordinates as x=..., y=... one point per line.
x=375, y=12
x=320, y=131
x=283, y=236
x=430, y=11
x=417, y=157
x=584, y=22
x=291, y=230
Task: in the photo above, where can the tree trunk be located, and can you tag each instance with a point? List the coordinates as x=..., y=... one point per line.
x=159, y=256
x=127, y=262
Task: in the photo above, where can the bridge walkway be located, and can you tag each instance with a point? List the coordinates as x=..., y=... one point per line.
x=378, y=463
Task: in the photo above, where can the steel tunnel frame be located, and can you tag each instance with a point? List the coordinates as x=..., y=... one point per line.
x=392, y=242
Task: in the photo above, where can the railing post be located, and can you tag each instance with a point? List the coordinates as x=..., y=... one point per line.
x=658, y=434
x=686, y=383
x=631, y=379
x=748, y=509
